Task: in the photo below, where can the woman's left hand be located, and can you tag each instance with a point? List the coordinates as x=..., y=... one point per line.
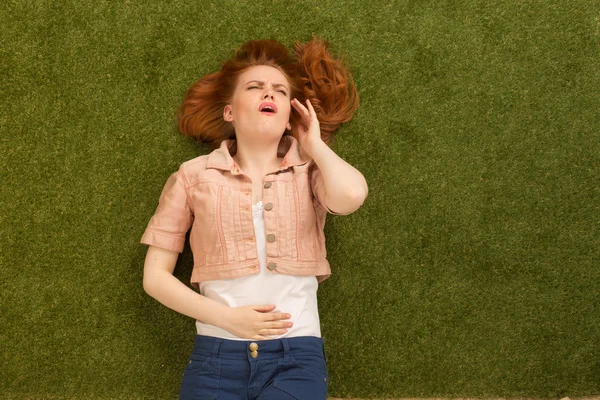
x=309, y=131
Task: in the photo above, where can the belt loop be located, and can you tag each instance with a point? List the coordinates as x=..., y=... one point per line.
x=216, y=346
x=286, y=350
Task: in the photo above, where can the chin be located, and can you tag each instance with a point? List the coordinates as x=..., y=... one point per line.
x=270, y=132
x=264, y=130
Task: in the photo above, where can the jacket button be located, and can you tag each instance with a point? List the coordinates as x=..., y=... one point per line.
x=271, y=266
x=269, y=206
x=271, y=238
x=267, y=185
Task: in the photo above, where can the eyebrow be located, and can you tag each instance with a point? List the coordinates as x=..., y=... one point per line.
x=274, y=85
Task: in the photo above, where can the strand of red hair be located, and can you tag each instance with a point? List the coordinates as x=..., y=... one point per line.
x=328, y=84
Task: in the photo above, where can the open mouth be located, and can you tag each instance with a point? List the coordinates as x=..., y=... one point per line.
x=268, y=108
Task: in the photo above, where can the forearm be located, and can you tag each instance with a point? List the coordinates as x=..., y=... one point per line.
x=345, y=186
x=172, y=293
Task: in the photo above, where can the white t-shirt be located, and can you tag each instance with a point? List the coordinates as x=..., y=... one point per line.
x=295, y=295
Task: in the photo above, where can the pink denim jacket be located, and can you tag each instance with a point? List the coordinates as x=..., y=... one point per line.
x=211, y=195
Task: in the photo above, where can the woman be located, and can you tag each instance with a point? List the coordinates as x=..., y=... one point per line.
x=256, y=207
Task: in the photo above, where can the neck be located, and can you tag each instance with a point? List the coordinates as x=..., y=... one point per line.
x=257, y=158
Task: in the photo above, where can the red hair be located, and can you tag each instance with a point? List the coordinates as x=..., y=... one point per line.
x=313, y=74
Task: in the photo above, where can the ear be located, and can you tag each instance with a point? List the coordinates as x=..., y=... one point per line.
x=227, y=113
x=288, y=126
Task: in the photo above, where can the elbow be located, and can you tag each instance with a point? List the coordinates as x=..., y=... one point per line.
x=360, y=194
x=359, y=198
x=148, y=284
x=158, y=265
x=349, y=203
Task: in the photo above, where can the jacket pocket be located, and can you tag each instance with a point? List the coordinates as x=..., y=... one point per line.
x=207, y=238
x=309, y=235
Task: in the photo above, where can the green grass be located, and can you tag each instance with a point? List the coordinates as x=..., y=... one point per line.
x=468, y=271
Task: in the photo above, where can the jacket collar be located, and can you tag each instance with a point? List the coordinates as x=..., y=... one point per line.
x=289, y=148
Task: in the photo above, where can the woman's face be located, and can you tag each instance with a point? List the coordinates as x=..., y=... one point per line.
x=260, y=106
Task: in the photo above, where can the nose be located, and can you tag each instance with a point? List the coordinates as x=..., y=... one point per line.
x=268, y=93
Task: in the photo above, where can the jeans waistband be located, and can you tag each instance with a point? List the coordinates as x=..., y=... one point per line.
x=239, y=349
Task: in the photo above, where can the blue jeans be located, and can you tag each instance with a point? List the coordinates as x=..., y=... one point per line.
x=279, y=369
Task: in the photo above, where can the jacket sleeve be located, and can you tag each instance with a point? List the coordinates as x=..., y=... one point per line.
x=318, y=188
x=173, y=217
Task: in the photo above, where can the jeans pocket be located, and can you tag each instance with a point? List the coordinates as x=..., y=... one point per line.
x=196, y=363
x=314, y=364
x=303, y=377
x=201, y=378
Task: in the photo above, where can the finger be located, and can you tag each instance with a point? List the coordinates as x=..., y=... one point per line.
x=280, y=325
x=277, y=317
x=262, y=307
x=265, y=333
x=273, y=332
x=310, y=107
x=300, y=108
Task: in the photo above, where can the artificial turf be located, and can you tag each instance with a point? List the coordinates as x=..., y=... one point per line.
x=470, y=270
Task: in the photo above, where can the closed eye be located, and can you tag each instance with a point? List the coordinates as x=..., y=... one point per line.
x=259, y=87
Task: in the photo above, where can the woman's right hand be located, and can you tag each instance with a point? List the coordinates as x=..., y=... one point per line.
x=255, y=322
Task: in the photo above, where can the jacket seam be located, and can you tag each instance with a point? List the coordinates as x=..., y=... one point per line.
x=202, y=181
x=298, y=221
x=240, y=217
x=238, y=229
x=186, y=187
x=277, y=239
x=219, y=227
x=159, y=232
